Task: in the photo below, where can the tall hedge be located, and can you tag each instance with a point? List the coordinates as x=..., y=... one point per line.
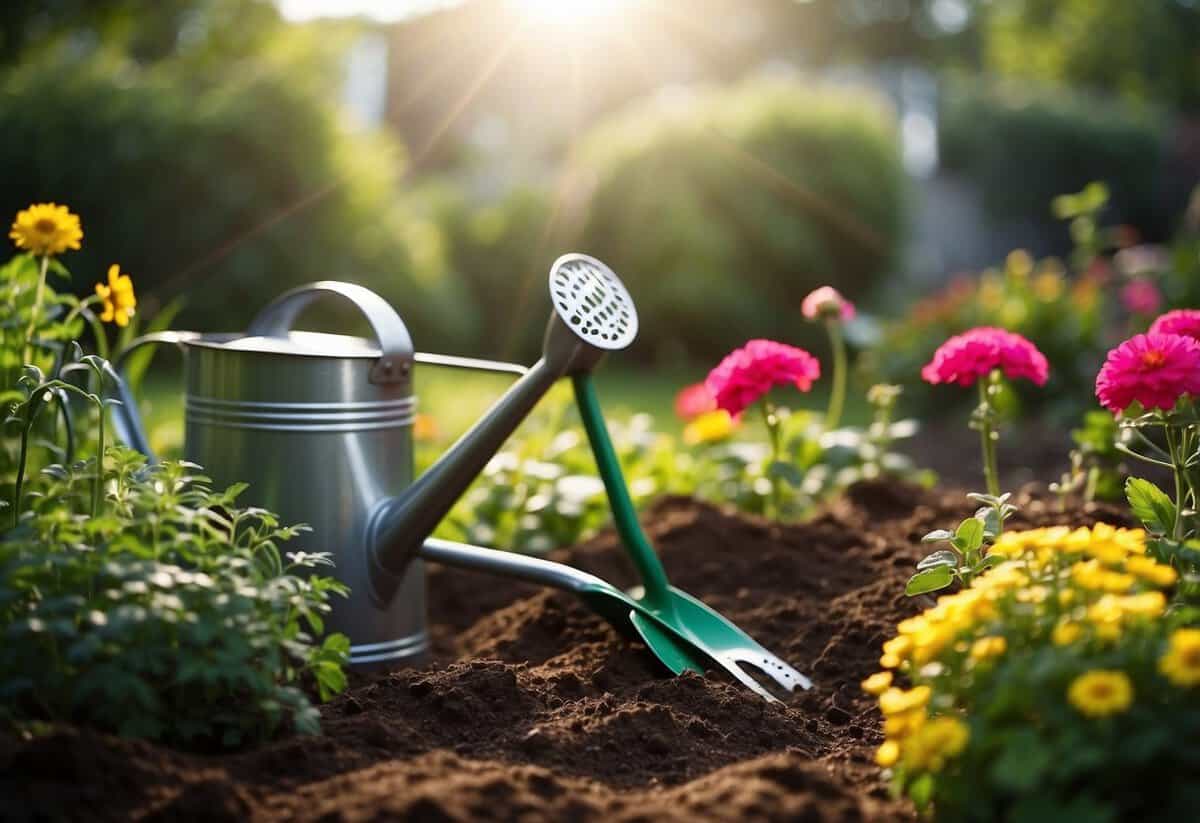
x=721, y=211
x=224, y=182
x=1023, y=144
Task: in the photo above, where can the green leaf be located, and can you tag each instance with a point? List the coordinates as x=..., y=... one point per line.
x=929, y=580
x=1022, y=762
x=969, y=536
x=938, y=536
x=787, y=472
x=1151, y=505
x=939, y=558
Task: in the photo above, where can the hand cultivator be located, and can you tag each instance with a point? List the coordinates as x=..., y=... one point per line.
x=320, y=426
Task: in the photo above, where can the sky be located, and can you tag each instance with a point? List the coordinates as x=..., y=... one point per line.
x=385, y=10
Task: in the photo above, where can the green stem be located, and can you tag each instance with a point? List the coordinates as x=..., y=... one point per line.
x=987, y=439
x=1177, y=459
x=27, y=352
x=771, y=419
x=84, y=310
x=21, y=458
x=837, y=396
x=98, y=486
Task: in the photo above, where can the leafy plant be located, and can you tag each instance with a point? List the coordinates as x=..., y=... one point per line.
x=172, y=614
x=965, y=556
x=1057, y=685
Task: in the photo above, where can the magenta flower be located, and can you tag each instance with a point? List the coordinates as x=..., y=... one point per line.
x=824, y=301
x=1152, y=369
x=693, y=401
x=1180, y=321
x=967, y=357
x=748, y=373
x=1141, y=297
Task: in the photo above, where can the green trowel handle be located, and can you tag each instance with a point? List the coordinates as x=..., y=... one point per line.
x=654, y=577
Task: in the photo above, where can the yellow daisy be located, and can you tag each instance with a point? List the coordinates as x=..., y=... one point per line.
x=709, y=427
x=1101, y=693
x=1181, y=663
x=118, y=297
x=46, y=229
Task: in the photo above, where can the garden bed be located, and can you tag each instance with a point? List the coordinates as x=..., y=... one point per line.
x=534, y=707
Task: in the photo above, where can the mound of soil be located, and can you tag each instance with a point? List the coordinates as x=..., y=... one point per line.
x=536, y=709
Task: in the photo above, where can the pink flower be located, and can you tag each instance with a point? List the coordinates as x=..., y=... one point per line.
x=1141, y=297
x=827, y=301
x=966, y=357
x=1180, y=321
x=693, y=401
x=1152, y=369
x=746, y=374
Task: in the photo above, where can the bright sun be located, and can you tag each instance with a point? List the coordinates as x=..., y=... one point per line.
x=572, y=12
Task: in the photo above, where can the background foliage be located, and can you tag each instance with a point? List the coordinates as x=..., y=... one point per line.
x=736, y=203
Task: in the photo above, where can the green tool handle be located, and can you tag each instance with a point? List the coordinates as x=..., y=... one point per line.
x=654, y=577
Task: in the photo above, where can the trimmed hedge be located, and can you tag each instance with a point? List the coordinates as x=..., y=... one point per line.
x=225, y=182
x=721, y=212
x=1022, y=145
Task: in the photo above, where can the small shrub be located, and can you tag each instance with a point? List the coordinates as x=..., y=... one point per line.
x=1057, y=686
x=173, y=615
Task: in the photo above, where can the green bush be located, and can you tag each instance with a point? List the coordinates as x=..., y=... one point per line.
x=1022, y=144
x=171, y=615
x=483, y=266
x=721, y=214
x=225, y=181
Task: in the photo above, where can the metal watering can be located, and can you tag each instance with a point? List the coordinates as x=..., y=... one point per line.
x=320, y=426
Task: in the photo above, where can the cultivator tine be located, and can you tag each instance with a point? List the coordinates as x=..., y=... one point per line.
x=775, y=668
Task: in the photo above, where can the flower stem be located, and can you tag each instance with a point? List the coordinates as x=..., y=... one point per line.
x=27, y=352
x=771, y=419
x=1178, y=457
x=987, y=439
x=98, y=487
x=837, y=396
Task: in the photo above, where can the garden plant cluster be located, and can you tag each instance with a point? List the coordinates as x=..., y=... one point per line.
x=1057, y=678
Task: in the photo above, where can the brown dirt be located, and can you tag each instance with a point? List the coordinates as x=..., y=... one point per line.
x=535, y=709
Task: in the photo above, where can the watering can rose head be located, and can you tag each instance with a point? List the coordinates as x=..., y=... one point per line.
x=827, y=301
x=748, y=373
x=974, y=354
x=1152, y=369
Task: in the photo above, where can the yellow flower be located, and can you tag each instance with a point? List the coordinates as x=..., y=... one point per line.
x=988, y=647
x=1066, y=633
x=1048, y=286
x=1146, y=604
x=888, y=754
x=1181, y=663
x=902, y=725
x=1101, y=693
x=118, y=297
x=877, y=684
x=46, y=228
x=939, y=739
x=1151, y=571
x=897, y=701
x=1019, y=263
x=425, y=428
x=709, y=427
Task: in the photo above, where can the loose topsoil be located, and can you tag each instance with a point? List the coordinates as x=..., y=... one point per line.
x=535, y=709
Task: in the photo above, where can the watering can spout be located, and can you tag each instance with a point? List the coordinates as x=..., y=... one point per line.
x=400, y=525
x=593, y=314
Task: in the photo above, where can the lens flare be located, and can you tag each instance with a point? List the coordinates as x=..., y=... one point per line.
x=571, y=12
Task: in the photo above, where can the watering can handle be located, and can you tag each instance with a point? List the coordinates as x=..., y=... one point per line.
x=126, y=421
x=395, y=344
